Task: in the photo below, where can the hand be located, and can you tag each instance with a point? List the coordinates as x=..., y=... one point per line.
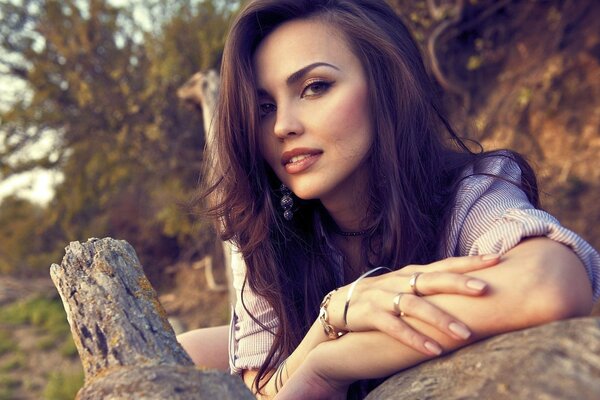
x=372, y=303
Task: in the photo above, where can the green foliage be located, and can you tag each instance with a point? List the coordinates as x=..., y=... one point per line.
x=63, y=386
x=102, y=89
x=26, y=237
x=474, y=62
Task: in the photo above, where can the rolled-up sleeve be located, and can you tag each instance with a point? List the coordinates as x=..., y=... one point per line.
x=492, y=216
x=249, y=342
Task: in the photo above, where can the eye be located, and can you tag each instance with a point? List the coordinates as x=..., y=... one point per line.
x=266, y=109
x=315, y=88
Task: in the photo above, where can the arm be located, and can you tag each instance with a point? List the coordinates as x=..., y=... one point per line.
x=372, y=309
x=538, y=281
x=207, y=347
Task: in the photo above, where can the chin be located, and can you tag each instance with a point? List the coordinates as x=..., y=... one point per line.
x=306, y=195
x=306, y=192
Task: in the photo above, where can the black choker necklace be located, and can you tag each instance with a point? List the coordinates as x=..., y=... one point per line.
x=340, y=232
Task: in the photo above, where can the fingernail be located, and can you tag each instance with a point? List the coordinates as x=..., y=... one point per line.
x=476, y=284
x=459, y=330
x=489, y=257
x=433, y=348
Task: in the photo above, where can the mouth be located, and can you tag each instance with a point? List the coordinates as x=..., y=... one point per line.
x=298, y=155
x=297, y=160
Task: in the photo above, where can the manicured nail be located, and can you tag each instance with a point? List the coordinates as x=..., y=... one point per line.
x=433, y=348
x=476, y=284
x=459, y=330
x=489, y=257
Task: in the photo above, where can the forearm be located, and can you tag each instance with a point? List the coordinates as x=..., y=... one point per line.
x=537, y=282
x=207, y=347
x=314, y=337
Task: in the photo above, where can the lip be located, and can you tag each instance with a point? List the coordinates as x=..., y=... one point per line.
x=307, y=157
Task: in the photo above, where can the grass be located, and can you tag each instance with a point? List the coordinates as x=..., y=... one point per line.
x=68, y=348
x=41, y=312
x=45, y=342
x=46, y=314
x=6, y=342
x=7, y=387
x=63, y=386
x=13, y=362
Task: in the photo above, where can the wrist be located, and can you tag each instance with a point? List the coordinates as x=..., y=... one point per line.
x=319, y=369
x=331, y=331
x=322, y=364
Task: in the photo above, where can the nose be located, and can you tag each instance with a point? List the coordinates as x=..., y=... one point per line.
x=287, y=123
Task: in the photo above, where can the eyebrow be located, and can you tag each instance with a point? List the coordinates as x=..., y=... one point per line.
x=296, y=76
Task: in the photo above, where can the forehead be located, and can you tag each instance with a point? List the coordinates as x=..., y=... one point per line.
x=297, y=43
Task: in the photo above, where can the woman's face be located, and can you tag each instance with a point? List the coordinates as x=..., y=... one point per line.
x=315, y=124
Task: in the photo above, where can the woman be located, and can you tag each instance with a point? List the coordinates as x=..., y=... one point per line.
x=365, y=224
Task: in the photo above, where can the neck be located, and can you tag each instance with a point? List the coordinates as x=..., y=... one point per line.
x=348, y=217
x=348, y=206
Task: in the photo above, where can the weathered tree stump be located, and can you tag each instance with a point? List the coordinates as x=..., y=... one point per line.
x=558, y=361
x=129, y=350
x=127, y=347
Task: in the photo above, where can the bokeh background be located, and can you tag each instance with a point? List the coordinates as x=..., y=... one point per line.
x=94, y=141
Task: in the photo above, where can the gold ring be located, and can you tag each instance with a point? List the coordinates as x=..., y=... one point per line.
x=413, y=284
x=397, y=304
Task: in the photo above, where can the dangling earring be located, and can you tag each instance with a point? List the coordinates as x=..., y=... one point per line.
x=286, y=202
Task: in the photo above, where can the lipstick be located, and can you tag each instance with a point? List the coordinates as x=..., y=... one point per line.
x=299, y=159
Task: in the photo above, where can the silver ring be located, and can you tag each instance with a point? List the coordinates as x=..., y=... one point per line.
x=397, y=304
x=413, y=283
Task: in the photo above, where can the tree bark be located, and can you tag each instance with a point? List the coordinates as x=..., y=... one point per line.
x=558, y=361
x=127, y=346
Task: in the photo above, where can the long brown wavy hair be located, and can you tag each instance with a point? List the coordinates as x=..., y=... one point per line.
x=415, y=165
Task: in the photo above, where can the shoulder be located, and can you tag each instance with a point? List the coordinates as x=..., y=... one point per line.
x=492, y=215
x=498, y=167
x=486, y=190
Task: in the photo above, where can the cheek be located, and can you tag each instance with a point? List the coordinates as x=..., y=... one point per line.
x=350, y=117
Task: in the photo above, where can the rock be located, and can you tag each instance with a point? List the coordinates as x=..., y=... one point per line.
x=560, y=360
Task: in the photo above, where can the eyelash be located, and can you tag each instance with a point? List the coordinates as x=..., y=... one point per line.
x=310, y=84
x=261, y=109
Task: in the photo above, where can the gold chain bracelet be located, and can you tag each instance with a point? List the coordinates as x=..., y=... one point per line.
x=331, y=331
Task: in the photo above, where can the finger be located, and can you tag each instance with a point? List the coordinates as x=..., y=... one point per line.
x=419, y=308
x=404, y=333
x=458, y=265
x=429, y=283
x=461, y=265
